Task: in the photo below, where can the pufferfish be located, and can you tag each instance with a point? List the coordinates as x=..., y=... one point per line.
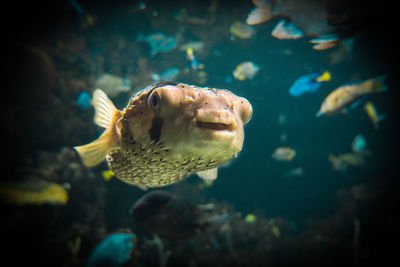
x=167, y=132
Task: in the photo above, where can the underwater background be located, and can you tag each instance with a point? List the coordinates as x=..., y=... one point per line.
x=301, y=211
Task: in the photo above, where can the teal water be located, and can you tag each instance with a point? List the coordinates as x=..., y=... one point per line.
x=56, y=54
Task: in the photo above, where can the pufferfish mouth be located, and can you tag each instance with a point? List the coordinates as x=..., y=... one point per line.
x=216, y=126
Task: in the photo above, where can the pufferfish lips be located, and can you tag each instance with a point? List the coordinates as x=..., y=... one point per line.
x=216, y=120
x=216, y=126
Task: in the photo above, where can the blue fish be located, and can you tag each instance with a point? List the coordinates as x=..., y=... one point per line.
x=167, y=75
x=114, y=251
x=83, y=100
x=159, y=42
x=309, y=83
x=193, y=63
x=359, y=144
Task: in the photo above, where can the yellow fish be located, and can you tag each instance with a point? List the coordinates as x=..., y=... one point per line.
x=242, y=30
x=373, y=114
x=167, y=132
x=245, y=71
x=344, y=96
x=284, y=154
x=250, y=218
x=34, y=192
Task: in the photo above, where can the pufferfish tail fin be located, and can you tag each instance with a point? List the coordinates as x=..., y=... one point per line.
x=106, y=115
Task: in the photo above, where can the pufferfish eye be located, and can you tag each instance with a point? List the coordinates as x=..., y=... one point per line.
x=154, y=100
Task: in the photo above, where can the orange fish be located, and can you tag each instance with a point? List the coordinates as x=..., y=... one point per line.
x=345, y=95
x=261, y=13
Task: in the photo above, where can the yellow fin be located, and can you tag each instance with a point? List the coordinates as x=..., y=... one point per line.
x=105, y=116
x=94, y=153
x=375, y=85
x=104, y=109
x=325, y=77
x=189, y=52
x=208, y=175
x=107, y=175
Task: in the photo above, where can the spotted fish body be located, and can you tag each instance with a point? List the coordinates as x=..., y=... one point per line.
x=149, y=165
x=167, y=132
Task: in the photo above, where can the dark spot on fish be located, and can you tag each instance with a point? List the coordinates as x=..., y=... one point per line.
x=185, y=163
x=155, y=131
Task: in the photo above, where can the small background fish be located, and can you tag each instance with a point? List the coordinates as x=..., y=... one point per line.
x=158, y=41
x=245, y=71
x=344, y=96
x=112, y=84
x=373, y=114
x=309, y=83
x=242, y=30
x=284, y=154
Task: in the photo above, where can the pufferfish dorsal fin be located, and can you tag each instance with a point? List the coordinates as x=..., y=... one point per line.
x=208, y=175
x=106, y=115
x=104, y=109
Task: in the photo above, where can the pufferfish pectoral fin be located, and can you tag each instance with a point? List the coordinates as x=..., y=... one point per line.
x=208, y=175
x=142, y=186
x=106, y=115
